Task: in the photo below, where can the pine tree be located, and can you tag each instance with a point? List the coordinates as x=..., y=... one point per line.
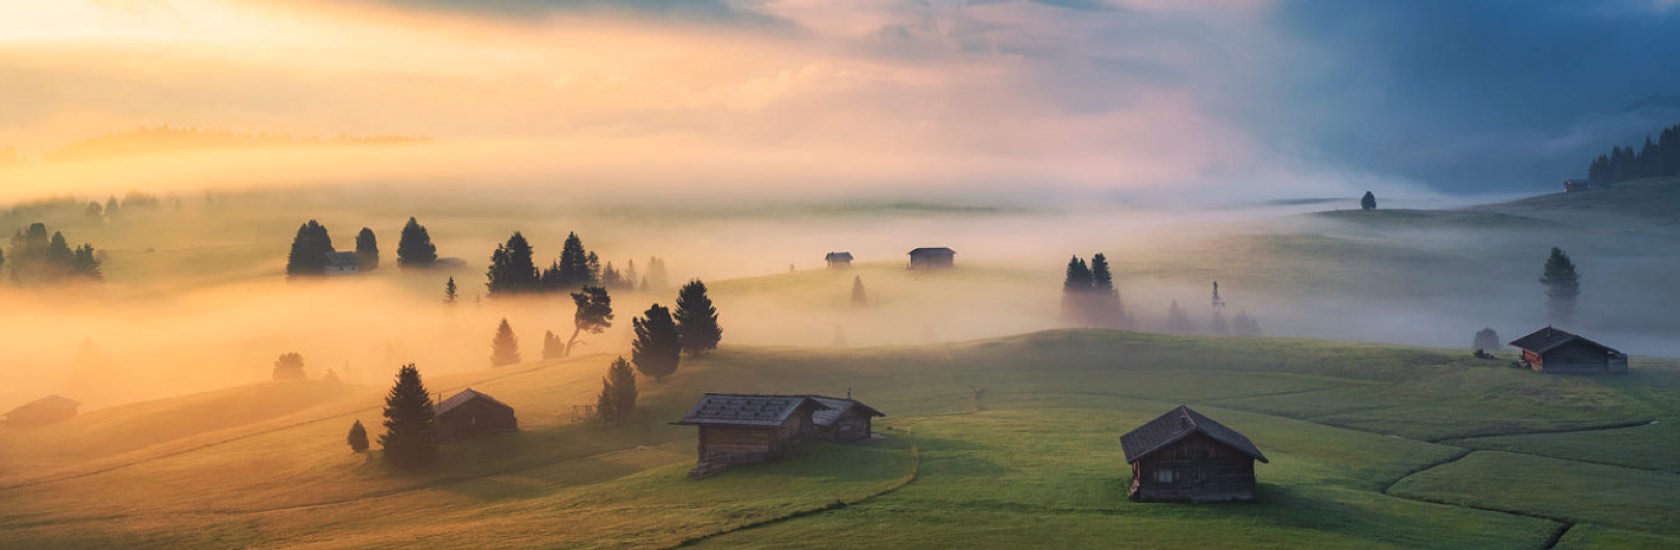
x=1244, y=325
x=658, y=346
x=630, y=276
x=84, y=264
x=289, y=367
x=1487, y=340
x=367, y=249
x=309, y=250
x=504, y=348
x=859, y=297
x=572, y=270
x=1076, y=286
x=594, y=314
x=618, y=393
x=697, y=319
x=111, y=208
x=414, y=247
x=357, y=439
x=1368, y=202
x=1218, y=325
x=94, y=212
x=657, y=277
x=59, y=257
x=1178, y=321
x=553, y=347
x=1563, y=286
x=1106, y=310
x=511, y=269
x=410, y=438
x=594, y=264
x=449, y=295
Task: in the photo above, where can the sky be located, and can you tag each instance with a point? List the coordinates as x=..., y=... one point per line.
x=1245, y=98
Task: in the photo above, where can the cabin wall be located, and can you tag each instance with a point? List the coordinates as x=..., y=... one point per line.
x=1576, y=357
x=1195, y=469
x=852, y=426
x=475, y=418
x=737, y=444
x=932, y=261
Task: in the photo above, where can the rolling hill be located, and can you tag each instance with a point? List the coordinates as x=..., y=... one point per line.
x=990, y=443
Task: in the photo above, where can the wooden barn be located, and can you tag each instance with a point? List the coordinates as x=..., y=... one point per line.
x=933, y=258
x=749, y=429
x=43, y=411
x=839, y=260
x=844, y=420
x=1186, y=457
x=471, y=414
x=1578, y=185
x=1555, y=351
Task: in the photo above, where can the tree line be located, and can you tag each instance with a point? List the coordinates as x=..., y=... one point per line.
x=1089, y=297
x=313, y=244
x=513, y=270
x=1659, y=158
x=36, y=257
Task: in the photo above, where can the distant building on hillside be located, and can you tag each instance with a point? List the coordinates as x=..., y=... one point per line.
x=839, y=260
x=933, y=258
x=342, y=263
x=471, y=414
x=748, y=429
x=1183, y=456
x=844, y=420
x=1554, y=351
x=1574, y=185
x=43, y=411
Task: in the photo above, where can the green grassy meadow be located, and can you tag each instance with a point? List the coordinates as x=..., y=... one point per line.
x=991, y=443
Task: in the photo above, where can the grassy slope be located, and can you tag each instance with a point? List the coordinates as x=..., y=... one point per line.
x=1012, y=437
x=1656, y=199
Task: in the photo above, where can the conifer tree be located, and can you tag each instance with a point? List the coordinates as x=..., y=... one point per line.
x=594, y=314
x=504, y=348
x=594, y=264
x=1245, y=325
x=1563, y=286
x=1487, y=340
x=414, y=246
x=449, y=295
x=1368, y=202
x=410, y=438
x=1105, y=309
x=630, y=276
x=618, y=393
x=1076, y=285
x=1178, y=321
x=85, y=263
x=59, y=256
x=358, y=438
x=859, y=297
x=572, y=271
x=658, y=346
x=309, y=250
x=111, y=208
x=289, y=367
x=1218, y=325
x=657, y=277
x=94, y=212
x=697, y=319
x=511, y=269
x=367, y=249
x=552, y=348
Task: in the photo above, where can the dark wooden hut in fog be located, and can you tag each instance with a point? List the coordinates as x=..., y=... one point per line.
x=471, y=414
x=1186, y=457
x=844, y=419
x=838, y=260
x=46, y=410
x=748, y=429
x=933, y=258
x=1555, y=351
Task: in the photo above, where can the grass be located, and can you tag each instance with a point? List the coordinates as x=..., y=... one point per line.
x=993, y=443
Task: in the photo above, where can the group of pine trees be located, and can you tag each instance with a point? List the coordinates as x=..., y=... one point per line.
x=36, y=257
x=1089, y=297
x=513, y=270
x=660, y=335
x=1563, y=286
x=313, y=243
x=1178, y=320
x=1658, y=158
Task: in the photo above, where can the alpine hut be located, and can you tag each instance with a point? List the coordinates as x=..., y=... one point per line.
x=1183, y=456
x=933, y=258
x=46, y=410
x=748, y=429
x=1555, y=351
x=471, y=414
x=844, y=420
x=838, y=260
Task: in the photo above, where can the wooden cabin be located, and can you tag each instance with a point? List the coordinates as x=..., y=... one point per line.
x=1183, y=456
x=1555, y=351
x=471, y=414
x=845, y=420
x=43, y=411
x=839, y=260
x=342, y=263
x=749, y=429
x=933, y=258
x=1578, y=185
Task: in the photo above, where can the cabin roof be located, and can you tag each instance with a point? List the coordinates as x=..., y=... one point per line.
x=842, y=256
x=1176, y=425
x=54, y=401
x=838, y=406
x=462, y=398
x=733, y=409
x=932, y=250
x=1550, y=338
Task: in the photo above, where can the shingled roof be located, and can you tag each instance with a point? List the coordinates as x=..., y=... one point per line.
x=931, y=250
x=730, y=409
x=842, y=256
x=836, y=407
x=1549, y=338
x=466, y=395
x=1176, y=425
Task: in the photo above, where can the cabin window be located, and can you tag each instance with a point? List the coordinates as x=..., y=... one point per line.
x=1164, y=476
